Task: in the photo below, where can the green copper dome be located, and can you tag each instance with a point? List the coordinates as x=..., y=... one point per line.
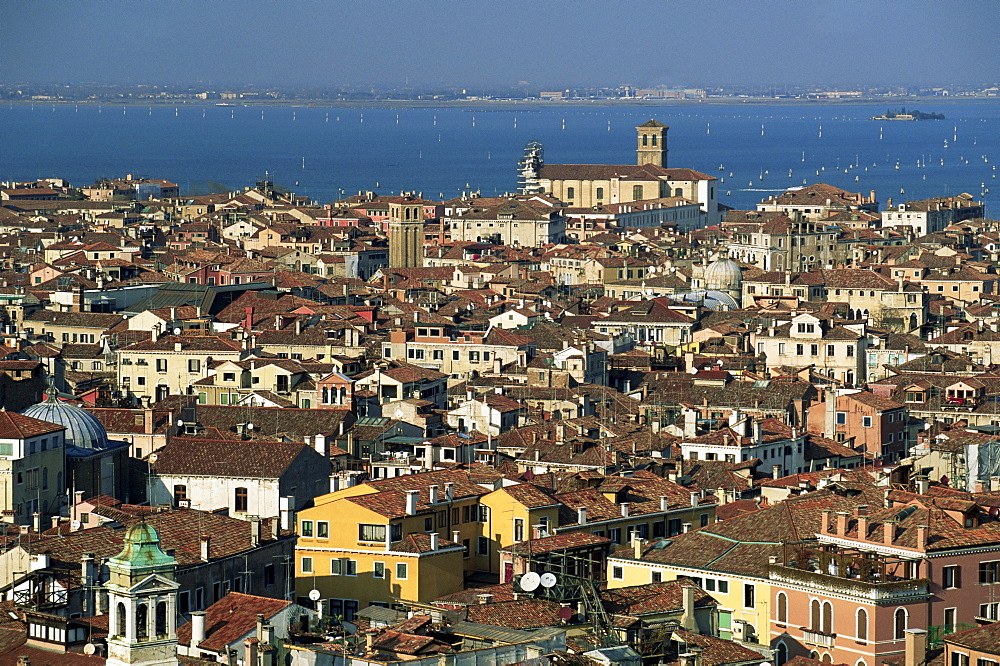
x=142, y=550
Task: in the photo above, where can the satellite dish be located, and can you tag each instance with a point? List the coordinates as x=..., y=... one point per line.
x=530, y=581
x=179, y=423
x=153, y=458
x=565, y=613
x=90, y=648
x=314, y=595
x=177, y=330
x=75, y=525
x=249, y=426
x=548, y=579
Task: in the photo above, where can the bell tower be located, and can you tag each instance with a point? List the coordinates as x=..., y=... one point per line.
x=406, y=234
x=652, y=148
x=142, y=599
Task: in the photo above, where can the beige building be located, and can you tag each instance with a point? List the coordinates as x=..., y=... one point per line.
x=929, y=216
x=153, y=369
x=819, y=201
x=836, y=351
x=32, y=469
x=509, y=223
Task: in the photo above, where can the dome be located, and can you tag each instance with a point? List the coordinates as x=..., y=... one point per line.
x=83, y=430
x=723, y=274
x=141, y=550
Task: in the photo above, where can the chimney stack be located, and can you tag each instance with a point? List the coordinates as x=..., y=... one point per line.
x=664, y=503
x=581, y=515
x=889, y=532
x=254, y=531
x=197, y=627
x=433, y=492
x=687, y=617
x=825, y=524
x=449, y=491
x=694, y=498
x=624, y=508
x=434, y=540
x=411, y=502
x=205, y=542
x=842, y=517
x=915, y=651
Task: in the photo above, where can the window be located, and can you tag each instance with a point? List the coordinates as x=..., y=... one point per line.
x=184, y=602
x=306, y=528
x=268, y=575
x=570, y=193
x=180, y=494
x=378, y=570
x=618, y=573
x=600, y=193
x=814, y=350
x=850, y=351
x=240, y=502
x=141, y=381
x=636, y=192
x=482, y=546
x=724, y=586
x=350, y=567
x=781, y=612
x=799, y=349
x=749, y=598
x=307, y=565
x=989, y=611
x=615, y=534
x=336, y=567
x=229, y=376
x=161, y=365
x=656, y=577
x=371, y=533
x=949, y=620
x=194, y=365
x=899, y=624
x=841, y=418
x=323, y=529
x=989, y=572
x=866, y=421
x=401, y=570
x=456, y=355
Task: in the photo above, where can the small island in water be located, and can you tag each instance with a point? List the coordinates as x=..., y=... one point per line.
x=913, y=114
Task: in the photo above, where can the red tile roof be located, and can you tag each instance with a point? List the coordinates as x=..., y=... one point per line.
x=230, y=618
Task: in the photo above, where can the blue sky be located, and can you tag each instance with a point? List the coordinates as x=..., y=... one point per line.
x=493, y=43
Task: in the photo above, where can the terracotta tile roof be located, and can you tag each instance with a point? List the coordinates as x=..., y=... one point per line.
x=189, y=343
x=652, y=599
x=230, y=618
x=985, y=638
x=255, y=459
x=520, y=614
x=17, y=426
x=717, y=651
x=563, y=541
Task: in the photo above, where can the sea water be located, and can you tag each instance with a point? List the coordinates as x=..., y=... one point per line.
x=756, y=150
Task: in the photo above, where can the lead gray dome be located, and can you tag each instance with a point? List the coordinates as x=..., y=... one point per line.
x=83, y=430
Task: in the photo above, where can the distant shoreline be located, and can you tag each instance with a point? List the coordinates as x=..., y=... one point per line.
x=505, y=104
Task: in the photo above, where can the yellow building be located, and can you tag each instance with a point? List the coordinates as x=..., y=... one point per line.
x=514, y=514
x=409, y=537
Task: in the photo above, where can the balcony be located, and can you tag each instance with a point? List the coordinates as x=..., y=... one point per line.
x=871, y=589
x=818, y=638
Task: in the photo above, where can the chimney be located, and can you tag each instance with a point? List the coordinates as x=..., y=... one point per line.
x=825, y=524
x=36, y=522
x=842, y=517
x=687, y=618
x=434, y=540
x=775, y=471
x=197, y=627
x=664, y=503
x=915, y=647
x=581, y=515
x=55, y=521
x=456, y=536
x=205, y=541
x=921, y=537
x=449, y=491
x=686, y=527
x=411, y=502
x=861, y=513
x=484, y=598
x=254, y=531
x=178, y=346
x=694, y=498
x=260, y=628
x=624, y=509
x=758, y=433
x=250, y=653
x=889, y=532
x=433, y=491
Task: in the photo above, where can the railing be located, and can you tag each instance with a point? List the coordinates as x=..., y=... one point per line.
x=897, y=591
x=818, y=638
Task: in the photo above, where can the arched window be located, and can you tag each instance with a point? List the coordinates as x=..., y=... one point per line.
x=782, y=654
x=827, y=658
x=862, y=624
x=654, y=140
x=827, y=617
x=122, y=620
x=814, y=616
x=899, y=621
x=141, y=621
x=782, y=603
x=645, y=139
x=161, y=618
